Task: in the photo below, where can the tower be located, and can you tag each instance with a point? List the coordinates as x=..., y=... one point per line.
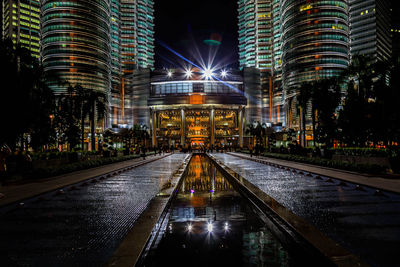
x=21, y=23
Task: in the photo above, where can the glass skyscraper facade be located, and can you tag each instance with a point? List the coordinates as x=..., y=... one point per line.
x=21, y=23
x=132, y=32
x=370, y=28
x=315, y=45
x=255, y=34
x=259, y=47
x=292, y=41
x=76, y=43
x=98, y=45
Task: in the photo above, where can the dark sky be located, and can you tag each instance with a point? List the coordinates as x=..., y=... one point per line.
x=183, y=25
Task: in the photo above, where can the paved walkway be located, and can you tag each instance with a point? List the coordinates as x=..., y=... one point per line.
x=85, y=224
x=388, y=184
x=358, y=218
x=15, y=193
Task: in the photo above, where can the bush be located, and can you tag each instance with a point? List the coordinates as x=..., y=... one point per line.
x=365, y=152
x=366, y=168
x=77, y=166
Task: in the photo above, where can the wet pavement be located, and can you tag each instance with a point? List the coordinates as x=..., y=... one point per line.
x=364, y=221
x=210, y=224
x=82, y=224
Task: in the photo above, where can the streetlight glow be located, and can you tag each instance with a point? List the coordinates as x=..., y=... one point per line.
x=224, y=73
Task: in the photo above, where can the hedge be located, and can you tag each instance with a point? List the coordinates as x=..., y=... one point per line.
x=365, y=168
x=82, y=165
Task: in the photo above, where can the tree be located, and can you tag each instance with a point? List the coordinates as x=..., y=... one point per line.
x=304, y=96
x=257, y=131
x=26, y=102
x=97, y=104
x=67, y=119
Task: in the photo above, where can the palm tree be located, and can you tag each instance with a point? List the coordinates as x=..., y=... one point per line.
x=303, y=96
x=96, y=104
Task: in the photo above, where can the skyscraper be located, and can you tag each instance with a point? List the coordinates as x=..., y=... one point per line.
x=315, y=44
x=370, y=28
x=21, y=23
x=132, y=32
x=76, y=43
x=255, y=34
x=256, y=50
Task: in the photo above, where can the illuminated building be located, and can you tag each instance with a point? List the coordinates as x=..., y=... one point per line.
x=370, y=27
x=76, y=43
x=255, y=34
x=315, y=45
x=196, y=110
x=196, y=107
x=259, y=48
x=395, y=30
x=132, y=32
x=21, y=23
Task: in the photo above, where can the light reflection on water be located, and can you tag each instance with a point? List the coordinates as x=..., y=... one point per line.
x=210, y=224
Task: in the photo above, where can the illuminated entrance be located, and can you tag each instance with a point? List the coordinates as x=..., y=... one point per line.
x=197, y=127
x=188, y=109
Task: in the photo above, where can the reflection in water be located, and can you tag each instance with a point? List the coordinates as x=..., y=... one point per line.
x=210, y=224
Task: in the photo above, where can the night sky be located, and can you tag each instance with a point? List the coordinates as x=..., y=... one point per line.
x=183, y=25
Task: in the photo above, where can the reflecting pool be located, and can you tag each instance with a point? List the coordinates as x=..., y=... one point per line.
x=210, y=224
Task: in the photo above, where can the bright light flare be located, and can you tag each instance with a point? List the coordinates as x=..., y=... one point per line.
x=189, y=227
x=210, y=227
x=224, y=73
x=169, y=73
x=188, y=73
x=208, y=73
x=226, y=227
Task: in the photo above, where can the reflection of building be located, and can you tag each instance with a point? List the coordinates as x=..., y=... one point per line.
x=21, y=23
x=370, y=28
x=204, y=177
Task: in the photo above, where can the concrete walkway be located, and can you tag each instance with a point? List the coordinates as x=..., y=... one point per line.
x=387, y=184
x=16, y=193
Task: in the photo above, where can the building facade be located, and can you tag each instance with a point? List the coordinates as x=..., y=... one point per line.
x=132, y=32
x=192, y=108
x=196, y=111
x=370, y=25
x=21, y=23
x=76, y=43
x=315, y=45
x=259, y=47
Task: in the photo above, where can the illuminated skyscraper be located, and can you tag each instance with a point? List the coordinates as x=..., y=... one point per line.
x=254, y=18
x=21, y=23
x=370, y=27
x=76, y=43
x=255, y=34
x=315, y=44
x=132, y=32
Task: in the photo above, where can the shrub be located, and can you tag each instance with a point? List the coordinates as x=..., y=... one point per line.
x=367, y=168
x=77, y=166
